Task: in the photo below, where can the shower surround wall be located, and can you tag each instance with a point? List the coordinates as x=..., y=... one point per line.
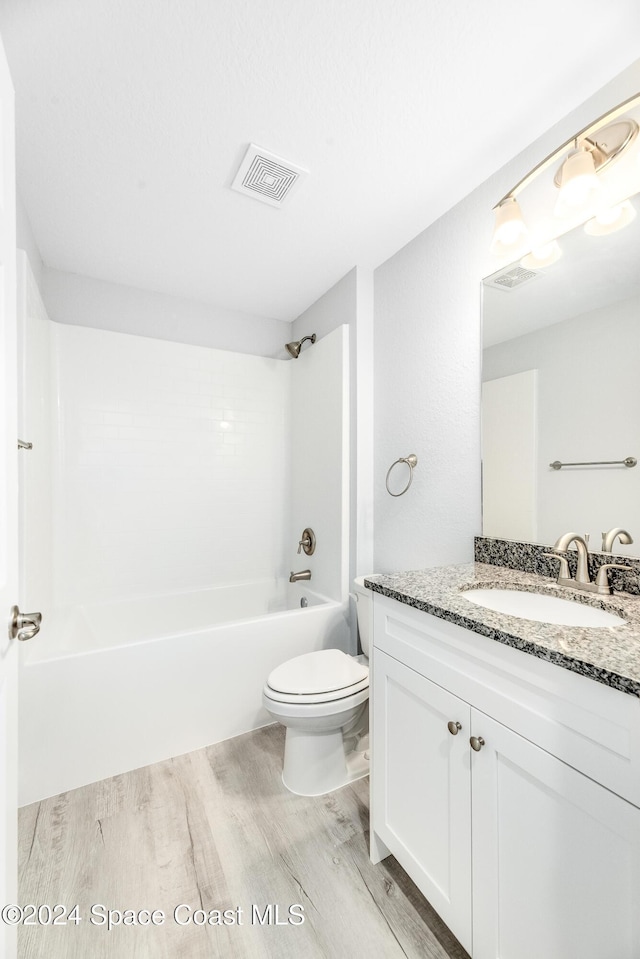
x=173, y=466
x=319, y=468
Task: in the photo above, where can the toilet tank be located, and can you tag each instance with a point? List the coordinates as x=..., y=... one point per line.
x=364, y=607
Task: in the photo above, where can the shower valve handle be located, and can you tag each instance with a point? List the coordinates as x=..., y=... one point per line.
x=308, y=541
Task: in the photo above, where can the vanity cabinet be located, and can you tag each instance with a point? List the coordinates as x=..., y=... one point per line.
x=524, y=847
x=423, y=782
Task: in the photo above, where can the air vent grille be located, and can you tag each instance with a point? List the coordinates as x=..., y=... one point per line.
x=511, y=278
x=267, y=177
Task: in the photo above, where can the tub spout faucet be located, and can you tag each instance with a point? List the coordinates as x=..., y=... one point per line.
x=303, y=574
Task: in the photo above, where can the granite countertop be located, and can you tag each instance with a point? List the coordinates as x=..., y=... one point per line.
x=609, y=655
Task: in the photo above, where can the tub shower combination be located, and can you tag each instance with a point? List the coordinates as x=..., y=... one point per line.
x=156, y=518
x=140, y=681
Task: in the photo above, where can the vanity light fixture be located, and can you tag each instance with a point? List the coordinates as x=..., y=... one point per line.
x=611, y=220
x=586, y=154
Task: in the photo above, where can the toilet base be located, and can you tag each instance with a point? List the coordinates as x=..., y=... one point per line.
x=323, y=741
x=315, y=765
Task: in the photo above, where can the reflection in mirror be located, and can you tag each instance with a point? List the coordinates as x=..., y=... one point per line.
x=561, y=371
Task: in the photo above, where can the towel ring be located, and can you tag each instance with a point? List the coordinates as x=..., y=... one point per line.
x=412, y=461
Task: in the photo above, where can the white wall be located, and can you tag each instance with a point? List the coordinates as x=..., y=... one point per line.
x=362, y=441
x=26, y=241
x=172, y=466
x=336, y=307
x=427, y=389
x=320, y=461
x=588, y=409
x=427, y=364
x=84, y=301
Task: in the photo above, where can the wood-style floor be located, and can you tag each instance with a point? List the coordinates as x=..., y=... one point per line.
x=217, y=830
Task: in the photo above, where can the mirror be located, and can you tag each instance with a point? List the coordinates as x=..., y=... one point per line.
x=561, y=382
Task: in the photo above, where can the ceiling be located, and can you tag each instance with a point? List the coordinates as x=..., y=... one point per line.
x=133, y=116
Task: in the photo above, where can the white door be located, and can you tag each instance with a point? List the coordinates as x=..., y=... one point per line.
x=422, y=786
x=510, y=456
x=8, y=509
x=556, y=857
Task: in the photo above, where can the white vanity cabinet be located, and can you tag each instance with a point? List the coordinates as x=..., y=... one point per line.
x=530, y=846
x=422, y=801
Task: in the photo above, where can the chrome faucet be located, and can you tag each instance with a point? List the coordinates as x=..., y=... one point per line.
x=583, y=578
x=303, y=574
x=608, y=539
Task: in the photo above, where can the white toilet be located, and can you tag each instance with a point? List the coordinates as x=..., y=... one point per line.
x=322, y=698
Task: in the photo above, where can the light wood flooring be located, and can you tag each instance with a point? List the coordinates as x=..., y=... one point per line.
x=217, y=830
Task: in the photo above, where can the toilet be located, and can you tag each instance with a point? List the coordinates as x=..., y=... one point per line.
x=322, y=698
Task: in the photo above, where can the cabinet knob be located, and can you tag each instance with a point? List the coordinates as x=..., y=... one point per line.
x=454, y=728
x=476, y=743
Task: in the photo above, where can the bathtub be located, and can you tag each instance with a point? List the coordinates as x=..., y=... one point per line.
x=131, y=683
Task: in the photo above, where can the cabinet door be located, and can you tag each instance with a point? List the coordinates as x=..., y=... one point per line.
x=421, y=787
x=555, y=857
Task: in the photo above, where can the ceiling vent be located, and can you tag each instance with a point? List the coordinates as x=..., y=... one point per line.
x=267, y=177
x=510, y=278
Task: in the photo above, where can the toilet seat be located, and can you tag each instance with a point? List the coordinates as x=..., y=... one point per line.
x=320, y=677
x=331, y=697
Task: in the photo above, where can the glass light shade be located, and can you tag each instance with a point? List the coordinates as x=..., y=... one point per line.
x=610, y=220
x=510, y=233
x=542, y=256
x=579, y=185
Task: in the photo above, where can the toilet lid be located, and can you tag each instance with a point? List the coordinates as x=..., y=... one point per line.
x=320, y=672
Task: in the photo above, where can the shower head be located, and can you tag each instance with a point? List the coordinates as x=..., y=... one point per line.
x=295, y=347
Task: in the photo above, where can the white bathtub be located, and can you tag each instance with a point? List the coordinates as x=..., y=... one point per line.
x=139, y=681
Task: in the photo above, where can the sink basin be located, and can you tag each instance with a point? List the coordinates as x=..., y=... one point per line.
x=542, y=609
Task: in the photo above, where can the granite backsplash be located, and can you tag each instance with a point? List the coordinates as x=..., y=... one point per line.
x=530, y=558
